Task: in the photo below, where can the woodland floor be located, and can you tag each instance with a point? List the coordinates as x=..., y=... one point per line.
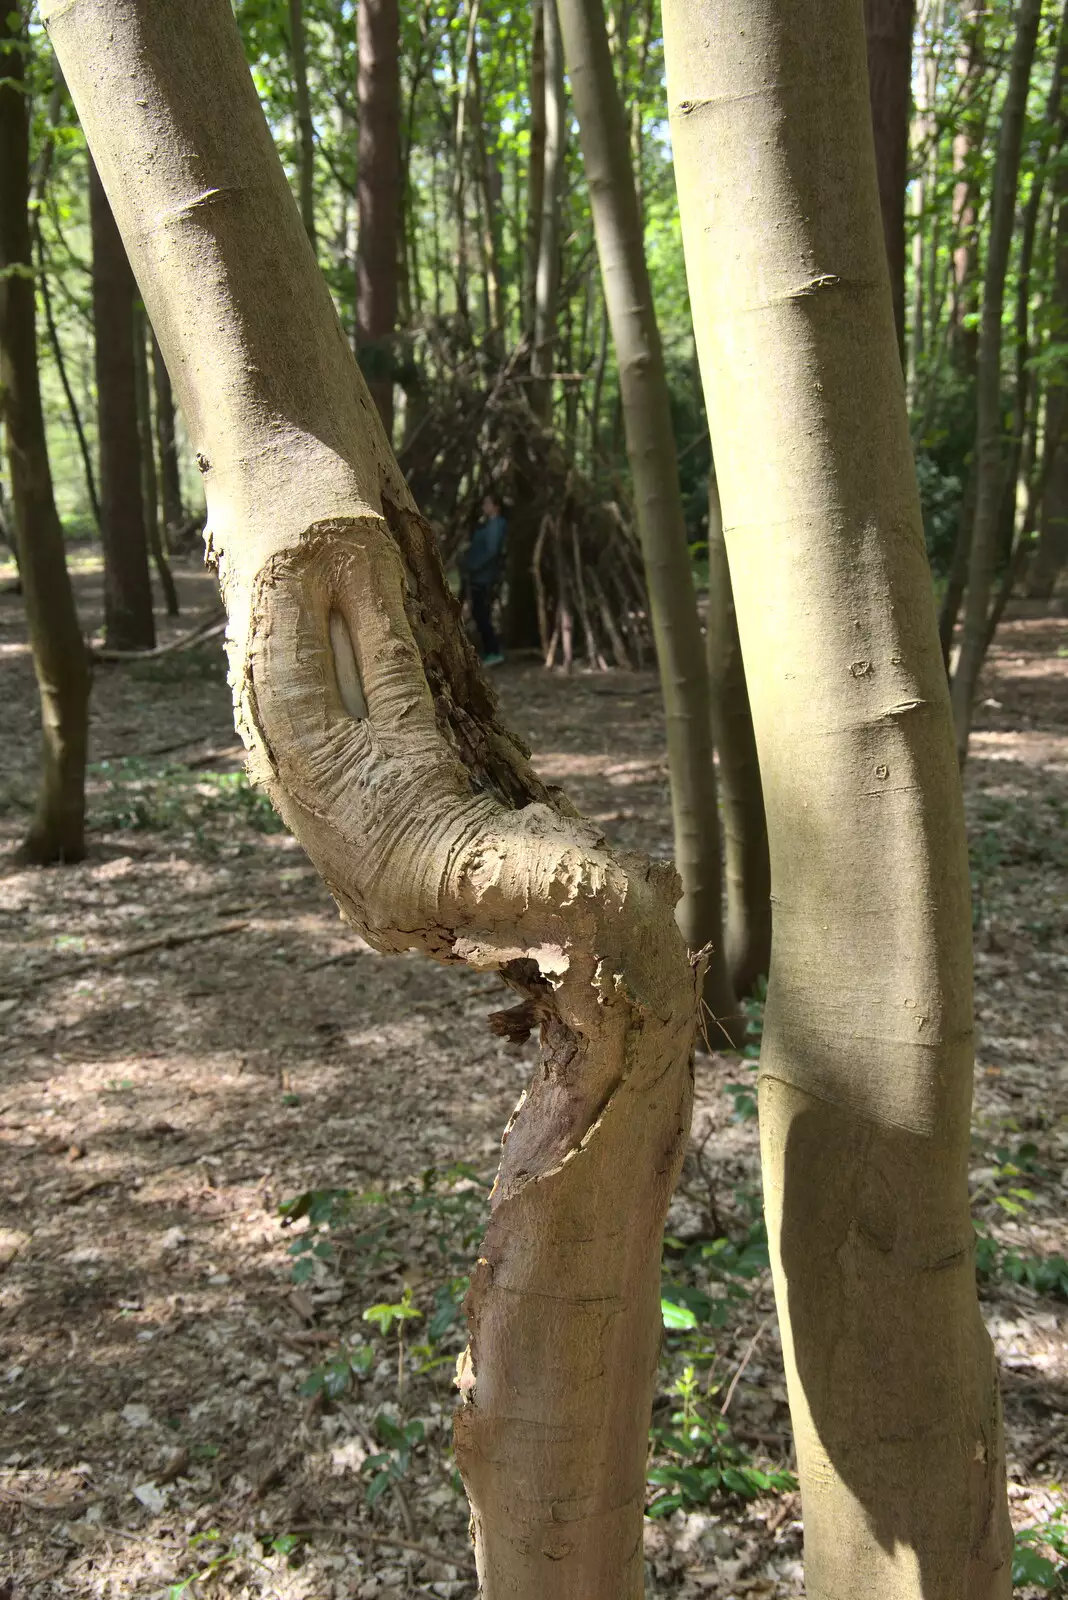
x=156, y=1108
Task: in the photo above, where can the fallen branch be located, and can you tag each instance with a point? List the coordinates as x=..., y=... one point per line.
x=140, y=947
x=348, y=1530
x=205, y=630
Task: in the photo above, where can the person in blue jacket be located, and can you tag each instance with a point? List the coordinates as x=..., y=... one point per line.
x=482, y=567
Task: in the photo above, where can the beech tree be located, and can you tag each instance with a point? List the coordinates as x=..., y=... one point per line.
x=867, y=1057
x=990, y=473
x=128, y=620
x=56, y=831
x=651, y=450
x=367, y=719
x=378, y=198
x=888, y=25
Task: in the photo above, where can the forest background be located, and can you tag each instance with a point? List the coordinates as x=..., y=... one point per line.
x=494, y=355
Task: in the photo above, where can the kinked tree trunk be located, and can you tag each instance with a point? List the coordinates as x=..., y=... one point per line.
x=888, y=25
x=867, y=1058
x=60, y=663
x=658, y=503
x=367, y=719
x=170, y=478
x=745, y=832
x=547, y=279
x=128, y=620
x=989, y=465
x=378, y=197
x=149, y=479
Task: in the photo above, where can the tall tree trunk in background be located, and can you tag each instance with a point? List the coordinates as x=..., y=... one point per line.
x=536, y=162
x=547, y=281
x=368, y=720
x=378, y=198
x=305, y=128
x=167, y=443
x=658, y=502
x=888, y=25
x=989, y=466
x=128, y=620
x=968, y=138
x=1051, y=554
x=459, y=186
x=867, y=1058
x=745, y=832
x=61, y=665
x=149, y=479
x=490, y=241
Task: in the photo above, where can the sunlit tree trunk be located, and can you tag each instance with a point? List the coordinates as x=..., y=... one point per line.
x=1051, y=554
x=867, y=1057
x=989, y=464
x=745, y=833
x=366, y=717
x=128, y=620
x=536, y=160
x=298, y=53
x=167, y=443
x=652, y=454
x=547, y=279
x=888, y=26
x=378, y=198
x=56, y=832
x=149, y=477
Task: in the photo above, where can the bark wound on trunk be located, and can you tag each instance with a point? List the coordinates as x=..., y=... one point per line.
x=367, y=718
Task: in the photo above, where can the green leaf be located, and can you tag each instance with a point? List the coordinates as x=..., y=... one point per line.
x=377, y=1487
x=676, y=1317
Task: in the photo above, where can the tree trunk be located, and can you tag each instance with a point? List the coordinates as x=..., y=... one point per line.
x=378, y=199
x=748, y=874
x=989, y=471
x=167, y=443
x=867, y=1059
x=536, y=162
x=368, y=720
x=970, y=69
x=149, y=481
x=658, y=503
x=547, y=282
x=61, y=665
x=305, y=127
x=889, y=34
x=459, y=186
x=128, y=620
x=1051, y=555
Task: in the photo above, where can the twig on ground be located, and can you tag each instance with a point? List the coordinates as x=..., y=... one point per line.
x=348, y=1530
x=205, y=630
x=140, y=947
x=750, y=1347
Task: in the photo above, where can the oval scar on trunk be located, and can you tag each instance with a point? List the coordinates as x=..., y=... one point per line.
x=348, y=674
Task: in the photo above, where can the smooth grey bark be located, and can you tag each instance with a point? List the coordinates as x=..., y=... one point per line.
x=547, y=278
x=868, y=1047
x=989, y=455
x=745, y=831
x=888, y=27
x=305, y=127
x=167, y=444
x=128, y=620
x=651, y=451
